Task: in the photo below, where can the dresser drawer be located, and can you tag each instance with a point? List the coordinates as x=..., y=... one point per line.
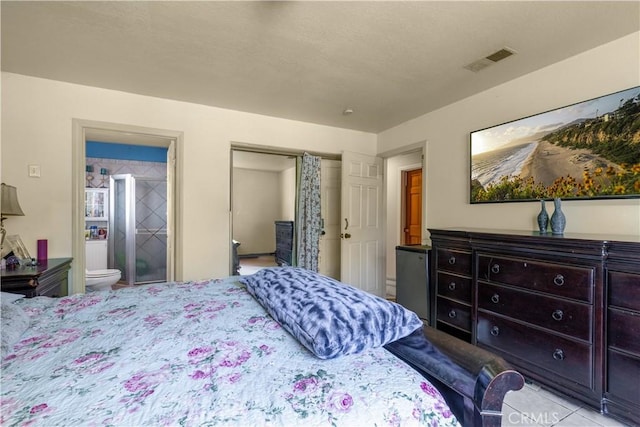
x=453, y=313
x=557, y=279
x=283, y=258
x=567, y=317
x=624, y=290
x=623, y=376
x=283, y=233
x=454, y=261
x=454, y=287
x=563, y=357
x=624, y=330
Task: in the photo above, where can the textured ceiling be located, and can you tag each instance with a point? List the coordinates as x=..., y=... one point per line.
x=389, y=61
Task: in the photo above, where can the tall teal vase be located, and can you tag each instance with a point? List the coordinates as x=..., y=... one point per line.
x=558, y=220
x=543, y=218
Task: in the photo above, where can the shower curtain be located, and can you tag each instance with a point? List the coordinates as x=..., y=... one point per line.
x=308, y=216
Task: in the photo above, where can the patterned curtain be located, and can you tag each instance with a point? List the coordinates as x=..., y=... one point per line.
x=308, y=217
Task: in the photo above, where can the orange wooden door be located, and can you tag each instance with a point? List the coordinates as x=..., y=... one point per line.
x=413, y=207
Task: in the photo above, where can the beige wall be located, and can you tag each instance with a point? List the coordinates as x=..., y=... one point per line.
x=37, y=129
x=606, y=69
x=288, y=193
x=257, y=199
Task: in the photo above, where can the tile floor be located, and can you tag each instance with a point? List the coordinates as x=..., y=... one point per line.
x=251, y=265
x=534, y=406
x=531, y=406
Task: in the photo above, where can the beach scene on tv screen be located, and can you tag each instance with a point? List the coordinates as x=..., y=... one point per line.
x=586, y=150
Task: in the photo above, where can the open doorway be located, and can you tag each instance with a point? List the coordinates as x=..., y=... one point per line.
x=263, y=203
x=263, y=210
x=130, y=238
x=110, y=133
x=402, y=202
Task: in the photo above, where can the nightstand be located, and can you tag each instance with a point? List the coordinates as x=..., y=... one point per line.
x=49, y=279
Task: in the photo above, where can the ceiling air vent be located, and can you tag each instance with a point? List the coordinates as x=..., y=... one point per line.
x=483, y=63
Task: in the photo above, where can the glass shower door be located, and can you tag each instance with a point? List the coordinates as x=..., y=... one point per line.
x=118, y=224
x=151, y=230
x=138, y=232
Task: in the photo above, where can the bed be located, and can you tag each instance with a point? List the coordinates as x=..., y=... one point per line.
x=239, y=351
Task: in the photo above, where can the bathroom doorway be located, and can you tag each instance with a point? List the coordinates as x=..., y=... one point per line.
x=110, y=133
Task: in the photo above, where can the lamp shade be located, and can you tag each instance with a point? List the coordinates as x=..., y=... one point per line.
x=10, y=205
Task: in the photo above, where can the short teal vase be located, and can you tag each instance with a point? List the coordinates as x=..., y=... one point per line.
x=543, y=218
x=558, y=220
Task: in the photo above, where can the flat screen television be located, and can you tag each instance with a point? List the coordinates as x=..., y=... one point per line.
x=588, y=150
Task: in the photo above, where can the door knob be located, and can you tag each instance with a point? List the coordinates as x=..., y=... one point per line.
x=345, y=235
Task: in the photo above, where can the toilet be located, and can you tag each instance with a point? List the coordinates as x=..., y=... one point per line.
x=101, y=280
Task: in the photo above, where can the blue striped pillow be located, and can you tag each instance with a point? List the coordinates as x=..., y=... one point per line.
x=329, y=317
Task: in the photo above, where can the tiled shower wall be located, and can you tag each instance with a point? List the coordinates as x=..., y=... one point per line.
x=115, y=167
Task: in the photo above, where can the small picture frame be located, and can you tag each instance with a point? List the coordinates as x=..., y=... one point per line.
x=18, y=248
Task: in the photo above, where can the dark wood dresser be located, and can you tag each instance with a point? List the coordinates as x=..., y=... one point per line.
x=49, y=279
x=453, y=289
x=284, y=243
x=563, y=309
x=622, y=333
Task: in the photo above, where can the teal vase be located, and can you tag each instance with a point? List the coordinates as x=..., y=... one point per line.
x=558, y=220
x=543, y=218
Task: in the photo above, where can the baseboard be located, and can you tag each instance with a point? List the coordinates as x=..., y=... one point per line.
x=391, y=287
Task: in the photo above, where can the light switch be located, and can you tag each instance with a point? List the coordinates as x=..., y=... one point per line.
x=34, y=171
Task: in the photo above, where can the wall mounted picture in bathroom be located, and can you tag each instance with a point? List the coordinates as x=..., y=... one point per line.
x=588, y=150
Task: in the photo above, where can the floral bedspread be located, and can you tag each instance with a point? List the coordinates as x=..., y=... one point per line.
x=195, y=354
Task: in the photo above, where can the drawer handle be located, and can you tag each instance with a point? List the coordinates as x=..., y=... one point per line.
x=557, y=315
x=495, y=268
x=495, y=298
x=495, y=331
x=559, y=280
x=452, y=260
x=452, y=286
x=452, y=314
x=558, y=354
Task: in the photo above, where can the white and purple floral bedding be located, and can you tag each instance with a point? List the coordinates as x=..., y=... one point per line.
x=195, y=354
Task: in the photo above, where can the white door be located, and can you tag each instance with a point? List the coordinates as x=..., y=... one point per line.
x=329, y=257
x=362, y=248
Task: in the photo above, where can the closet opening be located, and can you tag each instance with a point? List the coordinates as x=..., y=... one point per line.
x=263, y=210
x=264, y=191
